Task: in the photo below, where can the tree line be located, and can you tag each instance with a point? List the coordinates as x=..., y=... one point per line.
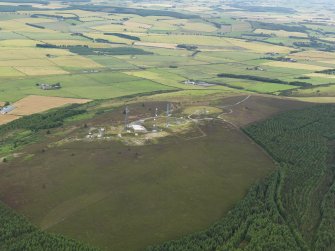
x=292, y=209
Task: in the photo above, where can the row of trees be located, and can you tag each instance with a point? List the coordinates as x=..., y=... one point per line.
x=17, y=234
x=264, y=79
x=48, y=120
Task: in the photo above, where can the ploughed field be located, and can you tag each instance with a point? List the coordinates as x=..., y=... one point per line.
x=104, y=192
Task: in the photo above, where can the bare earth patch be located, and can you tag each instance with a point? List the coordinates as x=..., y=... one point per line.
x=4, y=119
x=35, y=104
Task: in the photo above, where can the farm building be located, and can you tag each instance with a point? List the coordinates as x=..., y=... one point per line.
x=290, y=60
x=189, y=82
x=50, y=86
x=198, y=83
x=7, y=109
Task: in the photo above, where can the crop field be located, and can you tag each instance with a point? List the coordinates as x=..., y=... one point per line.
x=281, y=33
x=113, y=63
x=158, y=45
x=296, y=66
x=4, y=119
x=162, y=77
x=40, y=70
x=75, y=61
x=159, y=37
x=90, y=86
x=36, y=104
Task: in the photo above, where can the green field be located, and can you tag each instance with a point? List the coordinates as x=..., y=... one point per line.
x=92, y=86
x=215, y=52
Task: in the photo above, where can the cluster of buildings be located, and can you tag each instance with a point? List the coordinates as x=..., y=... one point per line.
x=96, y=133
x=256, y=68
x=6, y=109
x=44, y=86
x=198, y=83
x=290, y=60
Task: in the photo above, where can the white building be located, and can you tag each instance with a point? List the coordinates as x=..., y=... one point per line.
x=138, y=128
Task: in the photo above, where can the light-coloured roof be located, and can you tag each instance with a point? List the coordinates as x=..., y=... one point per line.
x=138, y=128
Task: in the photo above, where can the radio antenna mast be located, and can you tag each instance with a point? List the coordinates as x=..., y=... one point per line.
x=167, y=114
x=126, y=113
x=155, y=120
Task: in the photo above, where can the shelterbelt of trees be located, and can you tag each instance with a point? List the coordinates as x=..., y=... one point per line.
x=16, y=233
x=293, y=209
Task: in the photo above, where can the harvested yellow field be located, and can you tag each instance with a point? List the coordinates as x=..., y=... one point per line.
x=36, y=104
x=11, y=25
x=216, y=42
x=156, y=23
x=84, y=13
x=241, y=26
x=7, y=53
x=157, y=45
x=75, y=61
x=117, y=28
x=259, y=47
x=175, y=21
x=34, y=20
x=153, y=20
x=41, y=70
x=328, y=61
x=196, y=8
x=6, y=118
x=25, y=62
x=320, y=75
x=18, y=43
x=17, y=26
x=314, y=55
x=281, y=33
x=51, y=12
x=330, y=39
x=9, y=72
x=131, y=24
x=296, y=66
x=326, y=100
x=187, y=39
